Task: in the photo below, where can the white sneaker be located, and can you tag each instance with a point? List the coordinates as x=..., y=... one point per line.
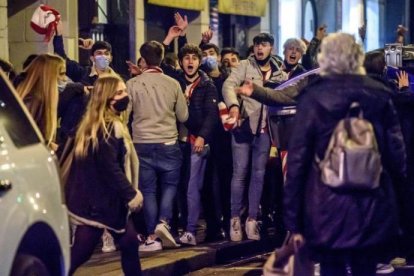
x=317, y=269
x=163, y=232
x=188, y=238
x=252, y=229
x=235, y=229
x=150, y=245
x=108, y=244
x=385, y=269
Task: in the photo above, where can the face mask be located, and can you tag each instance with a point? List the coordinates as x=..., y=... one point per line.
x=121, y=104
x=264, y=61
x=62, y=84
x=209, y=63
x=101, y=62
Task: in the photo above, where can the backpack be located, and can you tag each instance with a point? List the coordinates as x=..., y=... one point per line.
x=352, y=159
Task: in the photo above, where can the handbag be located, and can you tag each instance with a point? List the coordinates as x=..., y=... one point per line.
x=289, y=260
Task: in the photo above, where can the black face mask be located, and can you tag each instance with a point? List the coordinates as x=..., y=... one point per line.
x=262, y=62
x=121, y=104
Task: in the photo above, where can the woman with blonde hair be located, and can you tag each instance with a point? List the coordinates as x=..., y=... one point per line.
x=101, y=189
x=39, y=91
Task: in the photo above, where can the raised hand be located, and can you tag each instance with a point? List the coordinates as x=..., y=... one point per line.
x=181, y=22
x=207, y=35
x=403, y=80
x=86, y=43
x=321, y=32
x=133, y=68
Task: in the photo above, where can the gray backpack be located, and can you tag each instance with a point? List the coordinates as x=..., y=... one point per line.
x=352, y=159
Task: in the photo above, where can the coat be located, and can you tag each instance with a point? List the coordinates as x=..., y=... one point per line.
x=333, y=221
x=100, y=185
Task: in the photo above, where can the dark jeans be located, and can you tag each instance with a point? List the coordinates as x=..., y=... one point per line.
x=159, y=165
x=88, y=237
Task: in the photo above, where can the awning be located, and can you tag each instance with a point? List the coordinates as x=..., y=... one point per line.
x=197, y=5
x=243, y=7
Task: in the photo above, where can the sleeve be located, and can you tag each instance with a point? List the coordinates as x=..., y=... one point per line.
x=210, y=111
x=299, y=162
x=309, y=59
x=71, y=90
x=73, y=69
x=394, y=155
x=107, y=158
x=234, y=80
x=181, y=108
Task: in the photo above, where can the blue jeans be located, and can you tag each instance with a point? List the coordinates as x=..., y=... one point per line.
x=195, y=184
x=159, y=165
x=258, y=147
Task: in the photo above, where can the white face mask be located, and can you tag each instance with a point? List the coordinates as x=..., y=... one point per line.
x=102, y=62
x=62, y=84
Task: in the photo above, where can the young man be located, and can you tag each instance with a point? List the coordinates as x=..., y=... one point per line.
x=252, y=136
x=157, y=104
x=230, y=57
x=197, y=132
x=293, y=50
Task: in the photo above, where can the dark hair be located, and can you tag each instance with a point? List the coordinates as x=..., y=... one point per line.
x=190, y=49
x=229, y=50
x=99, y=45
x=264, y=37
x=375, y=62
x=170, y=59
x=250, y=51
x=152, y=52
x=206, y=46
x=29, y=60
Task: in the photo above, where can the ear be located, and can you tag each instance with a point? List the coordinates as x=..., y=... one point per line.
x=92, y=58
x=180, y=63
x=110, y=58
x=219, y=58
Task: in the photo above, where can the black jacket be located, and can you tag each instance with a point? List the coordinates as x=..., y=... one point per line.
x=202, y=108
x=331, y=220
x=97, y=188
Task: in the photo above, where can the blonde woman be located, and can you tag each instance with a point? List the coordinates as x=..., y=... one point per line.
x=102, y=183
x=39, y=91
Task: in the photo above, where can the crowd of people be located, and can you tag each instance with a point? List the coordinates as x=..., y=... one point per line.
x=189, y=135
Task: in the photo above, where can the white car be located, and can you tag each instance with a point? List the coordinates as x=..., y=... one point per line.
x=34, y=228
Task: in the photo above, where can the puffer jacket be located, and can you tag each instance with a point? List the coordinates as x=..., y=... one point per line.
x=250, y=108
x=329, y=219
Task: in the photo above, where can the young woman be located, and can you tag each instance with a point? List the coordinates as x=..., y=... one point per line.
x=102, y=184
x=39, y=91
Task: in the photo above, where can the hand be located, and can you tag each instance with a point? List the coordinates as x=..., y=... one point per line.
x=246, y=89
x=403, y=80
x=207, y=36
x=321, y=32
x=401, y=30
x=87, y=89
x=136, y=203
x=181, y=22
x=133, y=68
x=86, y=43
x=234, y=112
x=173, y=32
x=298, y=241
x=199, y=144
x=53, y=146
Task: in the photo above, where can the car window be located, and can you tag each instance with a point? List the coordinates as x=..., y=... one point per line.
x=13, y=118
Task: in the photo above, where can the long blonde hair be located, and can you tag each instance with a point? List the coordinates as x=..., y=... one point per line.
x=99, y=117
x=39, y=91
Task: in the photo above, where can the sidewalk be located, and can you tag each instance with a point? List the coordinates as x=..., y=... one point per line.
x=180, y=261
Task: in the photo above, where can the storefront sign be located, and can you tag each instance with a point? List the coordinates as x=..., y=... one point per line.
x=197, y=5
x=243, y=7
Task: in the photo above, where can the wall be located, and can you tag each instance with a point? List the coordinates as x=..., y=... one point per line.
x=4, y=49
x=23, y=41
